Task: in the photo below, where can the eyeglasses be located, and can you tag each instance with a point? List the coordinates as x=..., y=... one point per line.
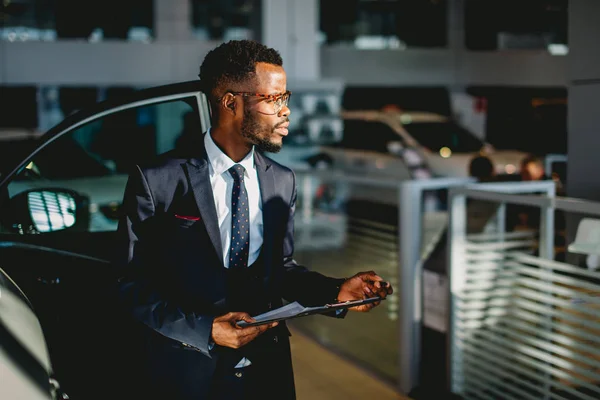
x=273, y=103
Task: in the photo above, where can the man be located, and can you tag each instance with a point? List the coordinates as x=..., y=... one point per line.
x=532, y=169
x=482, y=168
x=210, y=243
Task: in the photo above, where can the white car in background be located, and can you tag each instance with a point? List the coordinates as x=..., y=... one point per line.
x=399, y=145
x=449, y=148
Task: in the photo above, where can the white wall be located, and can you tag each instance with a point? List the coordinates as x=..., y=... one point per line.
x=290, y=26
x=105, y=63
x=416, y=67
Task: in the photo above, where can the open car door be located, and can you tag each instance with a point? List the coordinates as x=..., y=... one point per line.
x=59, y=212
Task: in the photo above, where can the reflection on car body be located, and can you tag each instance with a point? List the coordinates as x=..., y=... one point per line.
x=25, y=366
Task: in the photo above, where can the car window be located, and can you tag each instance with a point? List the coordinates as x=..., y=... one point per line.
x=367, y=135
x=434, y=136
x=93, y=160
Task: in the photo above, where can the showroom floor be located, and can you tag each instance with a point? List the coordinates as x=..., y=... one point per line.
x=322, y=375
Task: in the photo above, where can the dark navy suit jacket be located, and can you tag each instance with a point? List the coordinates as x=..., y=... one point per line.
x=174, y=280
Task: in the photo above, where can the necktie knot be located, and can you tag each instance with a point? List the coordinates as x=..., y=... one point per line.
x=237, y=172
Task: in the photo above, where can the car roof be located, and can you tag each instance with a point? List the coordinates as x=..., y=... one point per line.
x=404, y=117
x=419, y=117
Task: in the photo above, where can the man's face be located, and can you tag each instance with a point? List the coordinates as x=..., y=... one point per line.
x=259, y=125
x=532, y=172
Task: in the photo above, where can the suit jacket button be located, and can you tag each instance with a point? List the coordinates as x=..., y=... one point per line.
x=238, y=374
x=275, y=339
x=270, y=306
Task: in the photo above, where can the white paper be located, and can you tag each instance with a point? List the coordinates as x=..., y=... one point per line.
x=286, y=311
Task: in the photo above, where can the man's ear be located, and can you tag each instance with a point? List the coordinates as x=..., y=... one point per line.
x=228, y=103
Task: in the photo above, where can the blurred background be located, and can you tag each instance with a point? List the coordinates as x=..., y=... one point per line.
x=395, y=103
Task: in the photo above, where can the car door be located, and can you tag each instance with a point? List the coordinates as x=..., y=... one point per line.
x=60, y=209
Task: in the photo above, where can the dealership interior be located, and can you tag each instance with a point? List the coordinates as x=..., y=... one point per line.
x=447, y=145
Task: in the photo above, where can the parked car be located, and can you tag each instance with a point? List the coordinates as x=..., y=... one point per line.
x=406, y=145
x=59, y=206
x=449, y=148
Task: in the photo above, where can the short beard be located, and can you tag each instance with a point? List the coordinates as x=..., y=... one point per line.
x=251, y=129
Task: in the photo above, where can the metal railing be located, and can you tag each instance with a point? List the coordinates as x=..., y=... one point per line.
x=394, y=247
x=551, y=159
x=522, y=325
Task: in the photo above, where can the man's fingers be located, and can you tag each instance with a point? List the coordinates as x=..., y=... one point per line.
x=248, y=334
x=239, y=316
x=248, y=318
x=253, y=330
x=368, y=275
x=385, y=289
x=373, y=279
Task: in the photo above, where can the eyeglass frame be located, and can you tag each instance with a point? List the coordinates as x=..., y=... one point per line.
x=273, y=97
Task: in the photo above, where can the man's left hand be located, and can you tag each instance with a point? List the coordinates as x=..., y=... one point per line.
x=362, y=286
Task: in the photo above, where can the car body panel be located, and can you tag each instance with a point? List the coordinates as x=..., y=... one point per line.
x=23, y=353
x=457, y=164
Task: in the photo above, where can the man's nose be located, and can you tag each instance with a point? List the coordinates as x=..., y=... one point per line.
x=285, y=111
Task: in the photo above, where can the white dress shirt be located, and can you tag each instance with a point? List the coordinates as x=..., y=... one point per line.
x=222, y=186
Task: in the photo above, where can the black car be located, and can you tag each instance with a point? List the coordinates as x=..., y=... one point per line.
x=25, y=366
x=58, y=216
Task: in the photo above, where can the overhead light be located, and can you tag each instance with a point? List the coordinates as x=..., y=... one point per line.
x=406, y=119
x=445, y=152
x=557, y=49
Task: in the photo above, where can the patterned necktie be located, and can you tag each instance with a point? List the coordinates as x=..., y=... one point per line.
x=240, y=221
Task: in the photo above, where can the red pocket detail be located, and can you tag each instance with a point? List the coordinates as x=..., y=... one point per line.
x=187, y=217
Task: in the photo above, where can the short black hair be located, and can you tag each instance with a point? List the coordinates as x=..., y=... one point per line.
x=234, y=61
x=481, y=167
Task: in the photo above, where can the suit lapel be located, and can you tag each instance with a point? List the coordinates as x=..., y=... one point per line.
x=198, y=173
x=266, y=180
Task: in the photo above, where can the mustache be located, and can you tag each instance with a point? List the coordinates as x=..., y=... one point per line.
x=281, y=123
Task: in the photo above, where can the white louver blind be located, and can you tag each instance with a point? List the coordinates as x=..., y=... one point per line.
x=524, y=327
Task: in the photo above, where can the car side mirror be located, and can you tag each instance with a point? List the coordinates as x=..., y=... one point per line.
x=49, y=210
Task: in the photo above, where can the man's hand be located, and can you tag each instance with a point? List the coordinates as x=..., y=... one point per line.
x=362, y=286
x=225, y=331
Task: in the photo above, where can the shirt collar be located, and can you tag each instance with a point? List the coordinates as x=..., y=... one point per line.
x=220, y=162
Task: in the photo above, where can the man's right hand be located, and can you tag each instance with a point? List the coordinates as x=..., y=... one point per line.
x=225, y=331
